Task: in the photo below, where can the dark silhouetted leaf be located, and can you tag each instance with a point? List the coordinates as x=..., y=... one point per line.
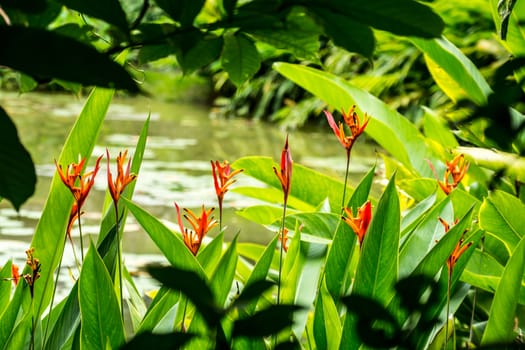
x=383, y=334
x=18, y=176
x=266, y=322
x=199, y=52
x=253, y=291
x=182, y=11
x=166, y=341
x=107, y=10
x=229, y=6
x=347, y=33
x=60, y=57
x=29, y=6
x=194, y=287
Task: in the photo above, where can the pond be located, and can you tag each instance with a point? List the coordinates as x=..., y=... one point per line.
x=183, y=138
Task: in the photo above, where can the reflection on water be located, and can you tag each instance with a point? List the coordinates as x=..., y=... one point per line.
x=182, y=141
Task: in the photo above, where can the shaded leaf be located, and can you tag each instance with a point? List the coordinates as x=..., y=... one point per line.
x=505, y=10
x=60, y=57
x=165, y=341
x=107, y=10
x=265, y=322
x=346, y=33
x=193, y=286
x=182, y=11
x=18, y=176
x=240, y=58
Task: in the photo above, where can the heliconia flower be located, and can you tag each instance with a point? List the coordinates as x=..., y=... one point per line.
x=353, y=122
x=458, y=250
x=455, y=172
x=223, y=178
x=80, y=189
x=123, y=178
x=283, y=238
x=285, y=174
x=34, y=265
x=360, y=222
x=15, y=273
x=201, y=225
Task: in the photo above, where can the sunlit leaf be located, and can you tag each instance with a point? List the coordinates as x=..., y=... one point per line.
x=99, y=308
x=18, y=178
x=500, y=326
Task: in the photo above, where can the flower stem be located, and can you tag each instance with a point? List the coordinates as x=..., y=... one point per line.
x=281, y=256
x=343, y=201
x=80, y=233
x=54, y=291
x=449, y=282
x=119, y=259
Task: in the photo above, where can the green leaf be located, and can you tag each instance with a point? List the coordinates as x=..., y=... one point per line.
x=209, y=255
x=165, y=341
x=387, y=127
x=18, y=177
x=505, y=10
x=309, y=188
x=265, y=322
x=107, y=10
x=101, y=322
x=332, y=320
x=202, y=52
x=345, y=32
x=193, y=286
x=48, y=239
x=60, y=57
x=377, y=269
x=182, y=11
x=344, y=241
x=406, y=17
x=261, y=214
x=455, y=66
x=171, y=245
x=222, y=278
x=240, y=58
x=500, y=326
x=436, y=129
x=501, y=216
x=5, y=285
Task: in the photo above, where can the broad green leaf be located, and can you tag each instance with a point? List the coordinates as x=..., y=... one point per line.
x=5, y=285
x=483, y=271
x=377, y=269
x=101, y=321
x=163, y=302
x=386, y=126
x=48, y=239
x=261, y=214
x=136, y=305
x=10, y=315
x=423, y=238
x=107, y=10
x=60, y=57
x=455, y=66
x=222, y=278
x=492, y=159
x=309, y=188
x=501, y=216
x=505, y=10
x=18, y=179
x=203, y=51
x=182, y=11
x=261, y=269
x=346, y=33
x=333, y=325
x=515, y=39
x=500, y=326
x=406, y=17
x=170, y=244
x=344, y=241
x=209, y=255
x=240, y=58
x=413, y=216
x=436, y=129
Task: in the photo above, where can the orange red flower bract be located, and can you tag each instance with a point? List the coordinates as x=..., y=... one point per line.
x=360, y=222
x=15, y=273
x=458, y=250
x=81, y=190
x=123, y=178
x=285, y=173
x=353, y=122
x=222, y=178
x=201, y=225
x=455, y=172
